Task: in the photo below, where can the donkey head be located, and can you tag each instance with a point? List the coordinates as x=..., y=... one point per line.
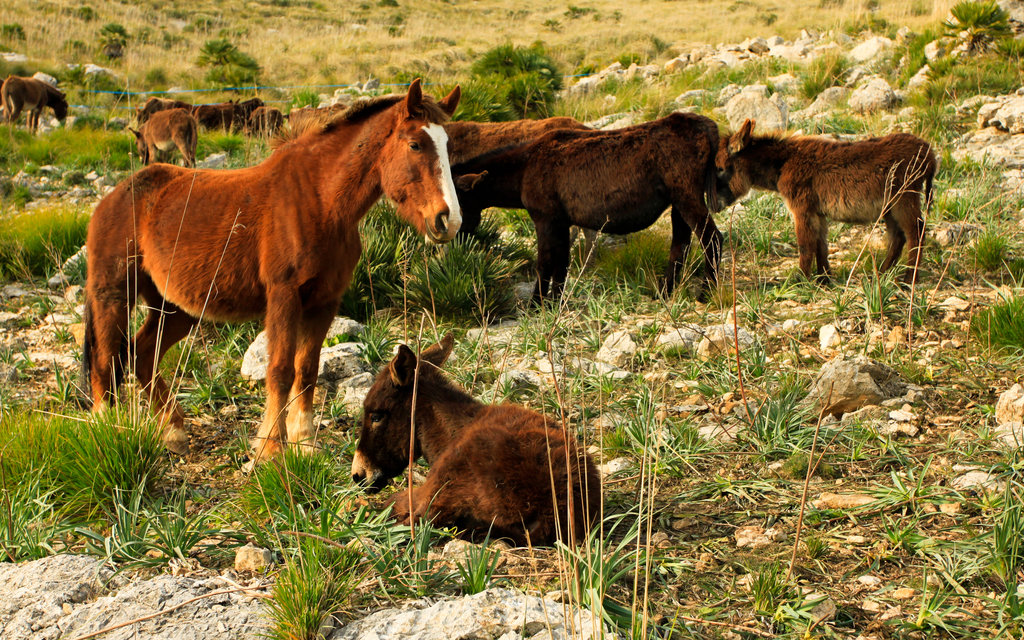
x=383, y=449
x=733, y=166
x=415, y=172
x=140, y=143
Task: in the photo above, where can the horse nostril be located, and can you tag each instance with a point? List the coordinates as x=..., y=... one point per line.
x=441, y=222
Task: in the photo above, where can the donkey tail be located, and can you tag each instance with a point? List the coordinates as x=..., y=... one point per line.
x=88, y=340
x=710, y=170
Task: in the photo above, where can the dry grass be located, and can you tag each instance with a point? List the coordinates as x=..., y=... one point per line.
x=309, y=42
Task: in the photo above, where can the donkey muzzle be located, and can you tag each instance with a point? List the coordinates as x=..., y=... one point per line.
x=366, y=474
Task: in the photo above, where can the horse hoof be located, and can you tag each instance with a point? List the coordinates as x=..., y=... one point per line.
x=261, y=451
x=176, y=441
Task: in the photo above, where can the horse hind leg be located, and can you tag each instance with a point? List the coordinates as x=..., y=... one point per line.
x=165, y=325
x=105, y=351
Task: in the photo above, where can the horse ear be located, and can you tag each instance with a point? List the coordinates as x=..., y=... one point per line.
x=741, y=139
x=437, y=354
x=414, y=99
x=451, y=102
x=403, y=367
x=468, y=181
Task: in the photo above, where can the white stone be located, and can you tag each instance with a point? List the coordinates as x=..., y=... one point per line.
x=874, y=95
x=826, y=101
x=253, y=558
x=722, y=339
x=1010, y=406
x=828, y=337
x=342, y=326
x=770, y=113
x=45, y=77
x=681, y=338
x=871, y=49
x=213, y=161
x=847, y=384
x=920, y=79
x=613, y=466
x=617, y=349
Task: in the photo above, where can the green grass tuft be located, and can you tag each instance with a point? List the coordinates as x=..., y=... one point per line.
x=36, y=243
x=1002, y=324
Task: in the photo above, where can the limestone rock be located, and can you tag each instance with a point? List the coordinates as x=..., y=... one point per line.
x=843, y=501
x=1005, y=114
x=949, y=234
x=353, y=391
x=978, y=480
x=1010, y=407
x=33, y=595
x=214, y=161
x=936, y=49
x=617, y=349
x=613, y=466
x=874, y=95
x=871, y=49
x=919, y=79
x=828, y=337
x=45, y=77
x=342, y=326
x=721, y=339
x=826, y=101
x=337, y=362
x=252, y=558
x=770, y=113
x=495, y=613
x=992, y=145
x=677, y=339
x=848, y=384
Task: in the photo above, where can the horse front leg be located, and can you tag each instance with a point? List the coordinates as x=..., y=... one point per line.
x=311, y=332
x=282, y=308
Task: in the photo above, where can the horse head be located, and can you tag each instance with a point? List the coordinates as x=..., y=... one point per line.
x=414, y=167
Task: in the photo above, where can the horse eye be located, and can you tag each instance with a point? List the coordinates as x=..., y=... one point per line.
x=415, y=146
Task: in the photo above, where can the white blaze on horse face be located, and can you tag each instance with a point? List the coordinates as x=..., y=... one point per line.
x=440, y=138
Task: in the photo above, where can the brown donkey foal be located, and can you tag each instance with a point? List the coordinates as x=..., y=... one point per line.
x=277, y=241
x=498, y=468
x=616, y=181
x=165, y=131
x=154, y=105
x=820, y=179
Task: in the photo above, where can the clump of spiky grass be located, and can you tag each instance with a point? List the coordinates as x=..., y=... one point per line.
x=1002, y=324
x=311, y=588
x=289, y=486
x=35, y=243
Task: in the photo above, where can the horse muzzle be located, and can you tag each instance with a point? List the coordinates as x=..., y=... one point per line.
x=443, y=227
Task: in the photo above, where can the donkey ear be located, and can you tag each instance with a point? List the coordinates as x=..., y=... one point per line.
x=137, y=134
x=741, y=138
x=467, y=181
x=451, y=101
x=414, y=99
x=403, y=367
x=437, y=354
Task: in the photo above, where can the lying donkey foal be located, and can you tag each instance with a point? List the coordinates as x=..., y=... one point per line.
x=859, y=182
x=498, y=468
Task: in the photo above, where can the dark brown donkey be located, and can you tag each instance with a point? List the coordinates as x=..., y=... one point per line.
x=859, y=182
x=154, y=105
x=467, y=140
x=279, y=240
x=33, y=95
x=265, y=122
x=612, y=181
x=502, y=468
x=166, y=130
x=226, y=116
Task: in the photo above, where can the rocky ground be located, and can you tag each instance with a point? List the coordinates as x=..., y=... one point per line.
x=908, y=423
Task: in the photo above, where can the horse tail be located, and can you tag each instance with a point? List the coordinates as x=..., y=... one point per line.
x=88, y=339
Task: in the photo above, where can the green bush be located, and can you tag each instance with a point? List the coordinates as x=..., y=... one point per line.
x=526, y=76
x=983, y=23
x=484, y=102
x=35, y=243
x=952, y=81
x=113, y=39
x=12, y=31
x=228, y=66
x=638, y=263
x=824, y=72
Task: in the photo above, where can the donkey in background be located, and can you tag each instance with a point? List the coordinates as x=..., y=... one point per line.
x=165, y=131
x=153, y=105
x=32, y=95
x=499, y=468
x=616, y=181
x=819, y=179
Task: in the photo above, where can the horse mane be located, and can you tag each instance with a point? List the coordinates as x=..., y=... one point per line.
x=358, y=110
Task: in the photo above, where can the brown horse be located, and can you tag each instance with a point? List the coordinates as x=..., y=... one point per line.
x=154, y=105
x=613, y=181
x=33, y=95
x=226, y=116
x=467, y=140
x=279, y=240
x=166, y=130
x=265, y=122
x=859, y=182
x=499, y=468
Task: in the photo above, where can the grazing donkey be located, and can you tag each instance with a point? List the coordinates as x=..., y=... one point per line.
x=166, y=130
x=467, y=140
x=154, y=105
x=858, y=182
x=612, y=181
x=498, y=468
x=277, y=241
x=227, y=116
x=265, y=122
x=33, y=95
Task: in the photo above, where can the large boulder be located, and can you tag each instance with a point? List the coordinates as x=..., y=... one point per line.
x=1005, y=114
x=495, y=613
x=337, y=362
x=45, y=77
x=34, y=595
x=1010, y=416
x=992, y=145
x=847, y=384
x=873, y=95
x=770, y=112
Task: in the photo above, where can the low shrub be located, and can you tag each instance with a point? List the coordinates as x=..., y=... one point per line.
x=35, y=243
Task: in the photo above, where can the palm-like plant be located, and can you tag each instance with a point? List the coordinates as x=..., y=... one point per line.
x=227, y=64
x=978, y=24
x=113, y=38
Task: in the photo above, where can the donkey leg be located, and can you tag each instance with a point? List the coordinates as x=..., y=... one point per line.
x=805, y=223
x=711, y=241
x=310, y=339
x=896, y=239
x=681, y=235
x=282, y=309
x=165, y=326
x=545, y=258
x=560, y=256
x=912, y=224
x=821, y=251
